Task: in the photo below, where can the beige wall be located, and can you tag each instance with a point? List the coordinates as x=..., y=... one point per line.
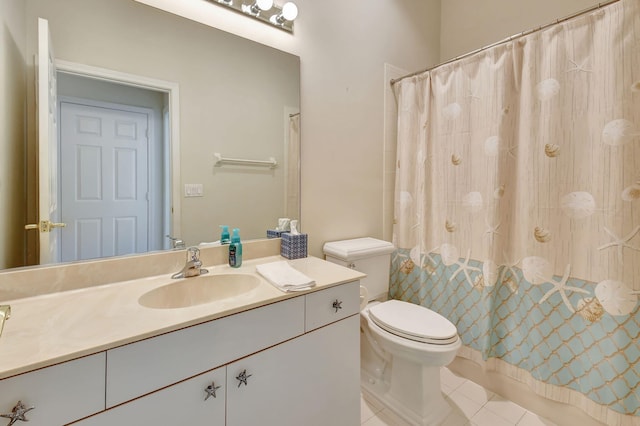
x=343, y=93
x=468, y=25
x=12, y=132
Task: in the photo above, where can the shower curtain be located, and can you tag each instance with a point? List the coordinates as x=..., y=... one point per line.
x=517, y=207
x=292, y=178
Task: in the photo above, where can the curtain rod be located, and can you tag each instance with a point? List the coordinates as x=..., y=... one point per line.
x=506, y=40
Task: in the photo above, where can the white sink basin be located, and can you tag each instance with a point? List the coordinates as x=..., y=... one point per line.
x=199, y=290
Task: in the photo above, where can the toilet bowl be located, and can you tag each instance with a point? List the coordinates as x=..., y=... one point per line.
x=417, y=333
x=411, y=386
x=403, y=345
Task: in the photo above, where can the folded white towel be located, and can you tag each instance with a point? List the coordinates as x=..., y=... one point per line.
x=284, y=277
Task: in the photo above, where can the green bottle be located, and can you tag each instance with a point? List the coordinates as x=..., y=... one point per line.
x=235, y=249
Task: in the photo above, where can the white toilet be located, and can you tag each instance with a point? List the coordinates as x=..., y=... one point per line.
x=402, y=345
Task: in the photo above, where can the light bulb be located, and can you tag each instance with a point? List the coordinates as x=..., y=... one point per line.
x=289, y=11
x=264, y=4
x=255, y=8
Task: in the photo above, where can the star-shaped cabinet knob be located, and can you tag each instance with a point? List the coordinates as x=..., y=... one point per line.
x=337, y=305
x=242, y=378
x=211, y=390
x=17, y=413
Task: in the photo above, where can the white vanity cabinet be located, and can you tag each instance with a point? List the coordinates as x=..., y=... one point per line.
x=145, y=366
x=313, y=380
x=290, y=363
x=59, y=394
x=196, y=401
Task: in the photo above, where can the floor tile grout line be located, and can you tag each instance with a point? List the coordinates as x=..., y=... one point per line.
x=524, y=412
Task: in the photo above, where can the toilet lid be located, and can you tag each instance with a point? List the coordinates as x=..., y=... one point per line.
x=413, y=322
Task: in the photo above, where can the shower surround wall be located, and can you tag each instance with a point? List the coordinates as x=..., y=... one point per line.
x=518, y=207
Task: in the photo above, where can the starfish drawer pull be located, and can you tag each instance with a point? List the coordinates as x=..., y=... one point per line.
x=242, y=377
x=211, y=390
x=17, y=413
x=337, y=305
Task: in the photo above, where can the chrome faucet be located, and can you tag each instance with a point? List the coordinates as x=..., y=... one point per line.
x=5, y=314
x=176, y=243
x=193, y=266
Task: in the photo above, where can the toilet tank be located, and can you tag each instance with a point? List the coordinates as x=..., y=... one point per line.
x=367, y=255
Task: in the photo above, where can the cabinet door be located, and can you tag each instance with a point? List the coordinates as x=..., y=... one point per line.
x=142, y=367
x=313, y=380
x=186, y=403
x=60, y=393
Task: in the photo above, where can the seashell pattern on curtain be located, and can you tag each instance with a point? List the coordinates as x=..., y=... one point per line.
x=529, y=154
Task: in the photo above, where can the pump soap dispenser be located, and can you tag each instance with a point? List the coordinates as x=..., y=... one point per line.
x=224, y=235
x=235, y=249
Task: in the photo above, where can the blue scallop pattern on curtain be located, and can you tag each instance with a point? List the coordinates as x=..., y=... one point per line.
x=518, y=207
x=598, y=359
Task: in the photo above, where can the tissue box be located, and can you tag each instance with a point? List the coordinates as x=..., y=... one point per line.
x=293, y=246
x=274, y=233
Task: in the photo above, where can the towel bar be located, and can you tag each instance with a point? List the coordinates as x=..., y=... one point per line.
x=219, y=160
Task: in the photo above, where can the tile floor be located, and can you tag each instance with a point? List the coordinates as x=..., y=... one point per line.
x=472, y=405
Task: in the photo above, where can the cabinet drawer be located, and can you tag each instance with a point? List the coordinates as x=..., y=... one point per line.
x=332, y=304
x=185, y=403
x=142, y=367
x=60, y=393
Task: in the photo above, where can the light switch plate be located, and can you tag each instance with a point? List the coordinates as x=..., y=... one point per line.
x=193, y=190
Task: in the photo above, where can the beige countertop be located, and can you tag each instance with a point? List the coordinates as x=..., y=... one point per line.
x=52, y=328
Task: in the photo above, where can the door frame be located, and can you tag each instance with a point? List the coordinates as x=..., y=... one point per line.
x=46, y=149
x=173, y=91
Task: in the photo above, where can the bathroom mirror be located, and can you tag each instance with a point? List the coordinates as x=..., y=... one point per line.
x=237, y=98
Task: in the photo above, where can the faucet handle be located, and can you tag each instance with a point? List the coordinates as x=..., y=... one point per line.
x=176, y=243
x=5, y=314
x=193, y=267
x=193, y=253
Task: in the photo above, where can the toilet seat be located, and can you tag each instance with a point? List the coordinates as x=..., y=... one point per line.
x=413, y=322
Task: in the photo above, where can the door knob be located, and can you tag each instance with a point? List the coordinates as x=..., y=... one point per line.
x=45, y=225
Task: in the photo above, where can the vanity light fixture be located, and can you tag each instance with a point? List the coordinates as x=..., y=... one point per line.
x=265, y=11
